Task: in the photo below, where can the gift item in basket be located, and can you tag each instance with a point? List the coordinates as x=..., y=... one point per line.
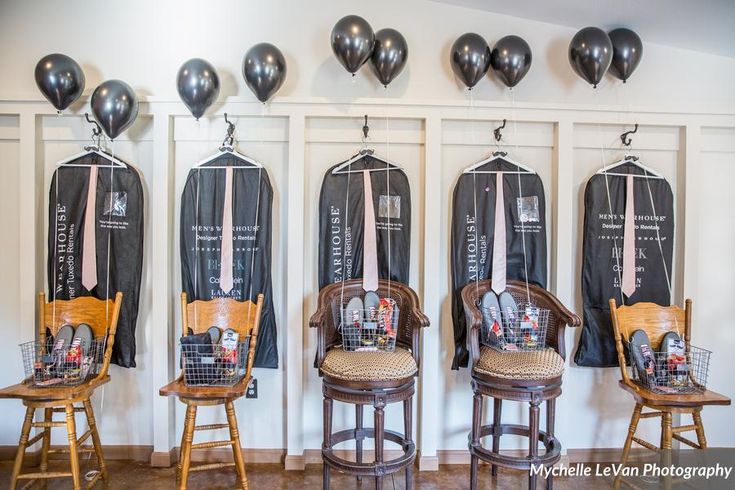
x=215, y=333
x=492, y=320
x=352, y=324
x=673, y=365
x=643, y=358
x=84, y=333
x=387, y=324
x=509, y=310
x=372, y=305
x=528, y=326
x=228, y=352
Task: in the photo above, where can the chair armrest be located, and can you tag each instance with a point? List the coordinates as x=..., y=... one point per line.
x=419, y=320
x=474, y=324
x=318, y=320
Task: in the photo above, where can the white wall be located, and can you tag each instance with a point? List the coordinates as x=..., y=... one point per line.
x=687, y=133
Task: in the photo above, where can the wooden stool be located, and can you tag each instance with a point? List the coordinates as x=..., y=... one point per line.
x=657, y=320
x=374, y=378
x=532, y=377
x=102, y=316
x=243, y=317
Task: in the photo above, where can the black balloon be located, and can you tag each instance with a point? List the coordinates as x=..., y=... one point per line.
x=470, y=58
x=389, y=55
x=60, y=79
x=115, y=107
x=198, y=85
x=627, y=52
x=352, y=42
x=590, y=54
x=511, y=59
x=264, y=69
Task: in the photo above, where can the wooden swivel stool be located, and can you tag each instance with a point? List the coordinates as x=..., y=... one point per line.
x=532, y=377
x=102, y=316
x=657, y=320
x=368, y=378
x=244, y=318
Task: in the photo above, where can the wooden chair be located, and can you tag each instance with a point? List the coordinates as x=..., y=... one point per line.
x=533, y=377
x=244, y=318
x=368, y=378
x=657, y=320
x=102, y=316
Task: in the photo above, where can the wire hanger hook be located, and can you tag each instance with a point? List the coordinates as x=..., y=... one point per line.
x=96, y=130
x=229, y=140
x=498, y=138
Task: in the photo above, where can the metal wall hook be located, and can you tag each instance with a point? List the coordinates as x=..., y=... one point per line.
x=497, y=133
x=365, y=128
x=625, y=137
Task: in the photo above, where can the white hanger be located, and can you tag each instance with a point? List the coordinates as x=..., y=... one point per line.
x=228, y=148
x=631, y=159
x=93, y=150
x=634, y=160
x=364, y=153
x=498, y=155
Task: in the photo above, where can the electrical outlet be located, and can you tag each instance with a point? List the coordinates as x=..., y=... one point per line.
x=252, y=389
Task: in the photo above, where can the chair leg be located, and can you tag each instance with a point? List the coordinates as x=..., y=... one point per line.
x=666, y=430
x=95, y=438
x=635, y=418
x=533, y=429
x=48, y=414
x=701, y=440
x=236, y=448
x=71, y=429
x=358, y=443
x=189, y=424
x=22, y=443
x=476, y=425
x=327, y=444
x=550, y=422
x=497, y=413
x=379, y=438
x=407, y=435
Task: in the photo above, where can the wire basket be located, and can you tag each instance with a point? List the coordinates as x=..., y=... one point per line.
x=213, y=364
x=370, y=330
x=673, y=372
x=520, y=330
x=47, y=366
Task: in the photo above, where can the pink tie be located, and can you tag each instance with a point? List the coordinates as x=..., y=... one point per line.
x=628, y=286
x=89, y=246
x=225, y=267
x=370, y=242
x=499, y=264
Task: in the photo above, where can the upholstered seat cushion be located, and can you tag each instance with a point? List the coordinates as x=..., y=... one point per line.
x=370, y=365
x=522, y=365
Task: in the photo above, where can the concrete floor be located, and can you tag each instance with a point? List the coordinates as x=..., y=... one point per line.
x=138, y=475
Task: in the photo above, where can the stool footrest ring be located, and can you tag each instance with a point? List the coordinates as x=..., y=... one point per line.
x=370, y=468
x=551, y=444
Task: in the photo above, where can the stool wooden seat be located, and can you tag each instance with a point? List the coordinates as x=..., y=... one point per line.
x=102, y=316
x=198, y=316
x=368, y=378
x=657, y=320
x=533, y=377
